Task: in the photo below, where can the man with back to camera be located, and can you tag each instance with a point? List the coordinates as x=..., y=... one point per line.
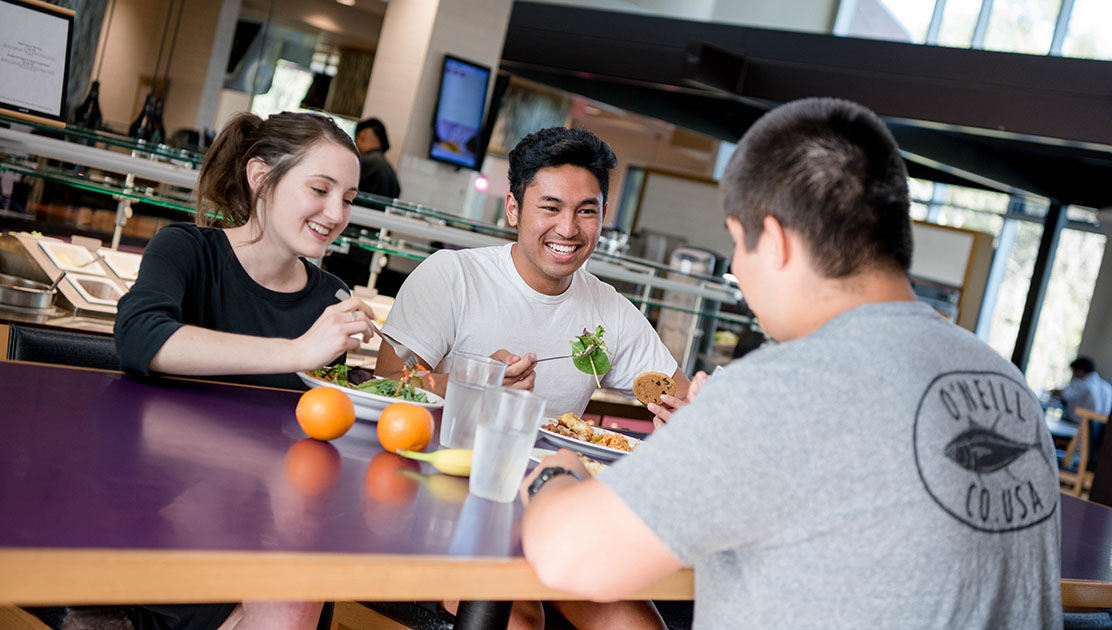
x=919, y=488
x=526, y=299
x=376, y=176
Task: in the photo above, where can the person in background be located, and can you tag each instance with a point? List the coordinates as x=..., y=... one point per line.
x=235, y=294
x=376, y=176
x=1086, y=390
x=912, y=482
x=526, y=299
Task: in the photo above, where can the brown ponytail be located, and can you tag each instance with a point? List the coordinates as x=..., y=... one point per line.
x=224, y=198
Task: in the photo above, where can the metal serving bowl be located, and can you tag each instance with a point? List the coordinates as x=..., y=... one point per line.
x=16, y=291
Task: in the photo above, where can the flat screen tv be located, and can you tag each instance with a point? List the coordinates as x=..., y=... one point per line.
x=34, y=60
x=457, y=126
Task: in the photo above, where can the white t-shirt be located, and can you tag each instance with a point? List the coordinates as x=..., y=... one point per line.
x=473, y=300
x=1088, y=392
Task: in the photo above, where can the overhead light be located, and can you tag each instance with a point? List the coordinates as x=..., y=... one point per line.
x=482, y=183
x=347, y=3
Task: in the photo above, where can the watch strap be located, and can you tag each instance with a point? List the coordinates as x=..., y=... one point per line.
x=547, y=475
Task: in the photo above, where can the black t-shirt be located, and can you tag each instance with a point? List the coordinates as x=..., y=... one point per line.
x=190, y=275
x=377, y=176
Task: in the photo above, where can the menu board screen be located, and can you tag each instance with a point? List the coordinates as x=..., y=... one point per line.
x=458, y=124
x=34, y=58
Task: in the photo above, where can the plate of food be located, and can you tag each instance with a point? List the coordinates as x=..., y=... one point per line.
x=569, y=431
x=369, y=394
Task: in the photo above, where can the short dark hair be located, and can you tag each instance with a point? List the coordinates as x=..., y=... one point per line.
x=1083, y=364
x=557, y=146
x=831, y=171
x=224, y=197
x=376, y=126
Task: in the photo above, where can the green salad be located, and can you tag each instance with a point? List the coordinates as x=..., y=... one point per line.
x=365, y=381
x=589, y=353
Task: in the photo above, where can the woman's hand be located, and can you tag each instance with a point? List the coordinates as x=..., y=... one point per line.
x=337, y=331
x=663, y=413
x=519, y=370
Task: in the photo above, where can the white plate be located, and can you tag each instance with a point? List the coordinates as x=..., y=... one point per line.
x=594, y=450
x=368, y=405
x=71, y=257
x=538, y=454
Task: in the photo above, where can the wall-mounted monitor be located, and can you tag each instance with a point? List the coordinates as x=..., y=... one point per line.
x=34, y=60
x=457, y=126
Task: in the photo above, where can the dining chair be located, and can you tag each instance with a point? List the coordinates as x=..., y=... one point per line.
x=58, y=347
x=1076, y=478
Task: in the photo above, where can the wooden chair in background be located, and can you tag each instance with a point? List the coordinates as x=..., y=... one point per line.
x=1077, y=480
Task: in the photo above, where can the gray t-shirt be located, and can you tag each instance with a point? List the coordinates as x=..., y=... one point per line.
x=887, y=471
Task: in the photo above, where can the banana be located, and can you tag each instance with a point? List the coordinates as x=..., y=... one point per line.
x=443, y=487
x=450, y=461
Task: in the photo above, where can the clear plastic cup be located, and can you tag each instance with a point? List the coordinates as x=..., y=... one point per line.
x=467, y=375
x=508, y=427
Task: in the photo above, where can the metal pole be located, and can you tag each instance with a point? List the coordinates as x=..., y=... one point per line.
x=936, y=23
x=646, y=293
x=1040, y=278
x=123, y=212
x=1061, y=27
x=981, y=28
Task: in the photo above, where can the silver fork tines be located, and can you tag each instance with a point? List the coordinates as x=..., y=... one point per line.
x=588, y=350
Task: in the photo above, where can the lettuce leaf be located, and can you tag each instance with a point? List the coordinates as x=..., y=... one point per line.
x=596, y=362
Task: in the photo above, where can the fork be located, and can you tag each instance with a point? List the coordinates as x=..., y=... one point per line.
x=588, y=350
x=407, y=356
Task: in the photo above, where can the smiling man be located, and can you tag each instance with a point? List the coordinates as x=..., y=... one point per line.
x=518, y=301
x=919, y=487
x=530, y=298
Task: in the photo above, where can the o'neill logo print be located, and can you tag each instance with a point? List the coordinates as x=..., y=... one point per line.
x=983, y=452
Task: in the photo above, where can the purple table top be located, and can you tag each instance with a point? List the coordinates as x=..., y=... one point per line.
x=102, y=460
x=1086, y=540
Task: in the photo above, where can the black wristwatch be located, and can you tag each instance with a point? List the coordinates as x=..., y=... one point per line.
x=547, y=474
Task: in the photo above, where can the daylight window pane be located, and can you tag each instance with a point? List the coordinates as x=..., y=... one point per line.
x=1065, y=308
x=893, y=20
x=1088, y=33
x=1022, y=26
x=1013, y=290
x=959, y=18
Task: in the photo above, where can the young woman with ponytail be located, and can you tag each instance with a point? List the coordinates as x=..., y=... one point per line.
x=234, y=296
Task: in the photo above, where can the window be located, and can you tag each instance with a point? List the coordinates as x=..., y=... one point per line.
x=1089, y=31
x=894, y=20
x=959, y=19
x=1013, y=290
x=1022, y=26
x=1065, y=307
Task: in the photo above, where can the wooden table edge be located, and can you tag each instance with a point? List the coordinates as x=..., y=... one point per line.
x=96, y=576
x=1086, y=593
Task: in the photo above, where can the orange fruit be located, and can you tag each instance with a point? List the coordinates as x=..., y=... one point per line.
x=385, y=482
x=325, y=413
x=405, y=426
x=312, y=467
